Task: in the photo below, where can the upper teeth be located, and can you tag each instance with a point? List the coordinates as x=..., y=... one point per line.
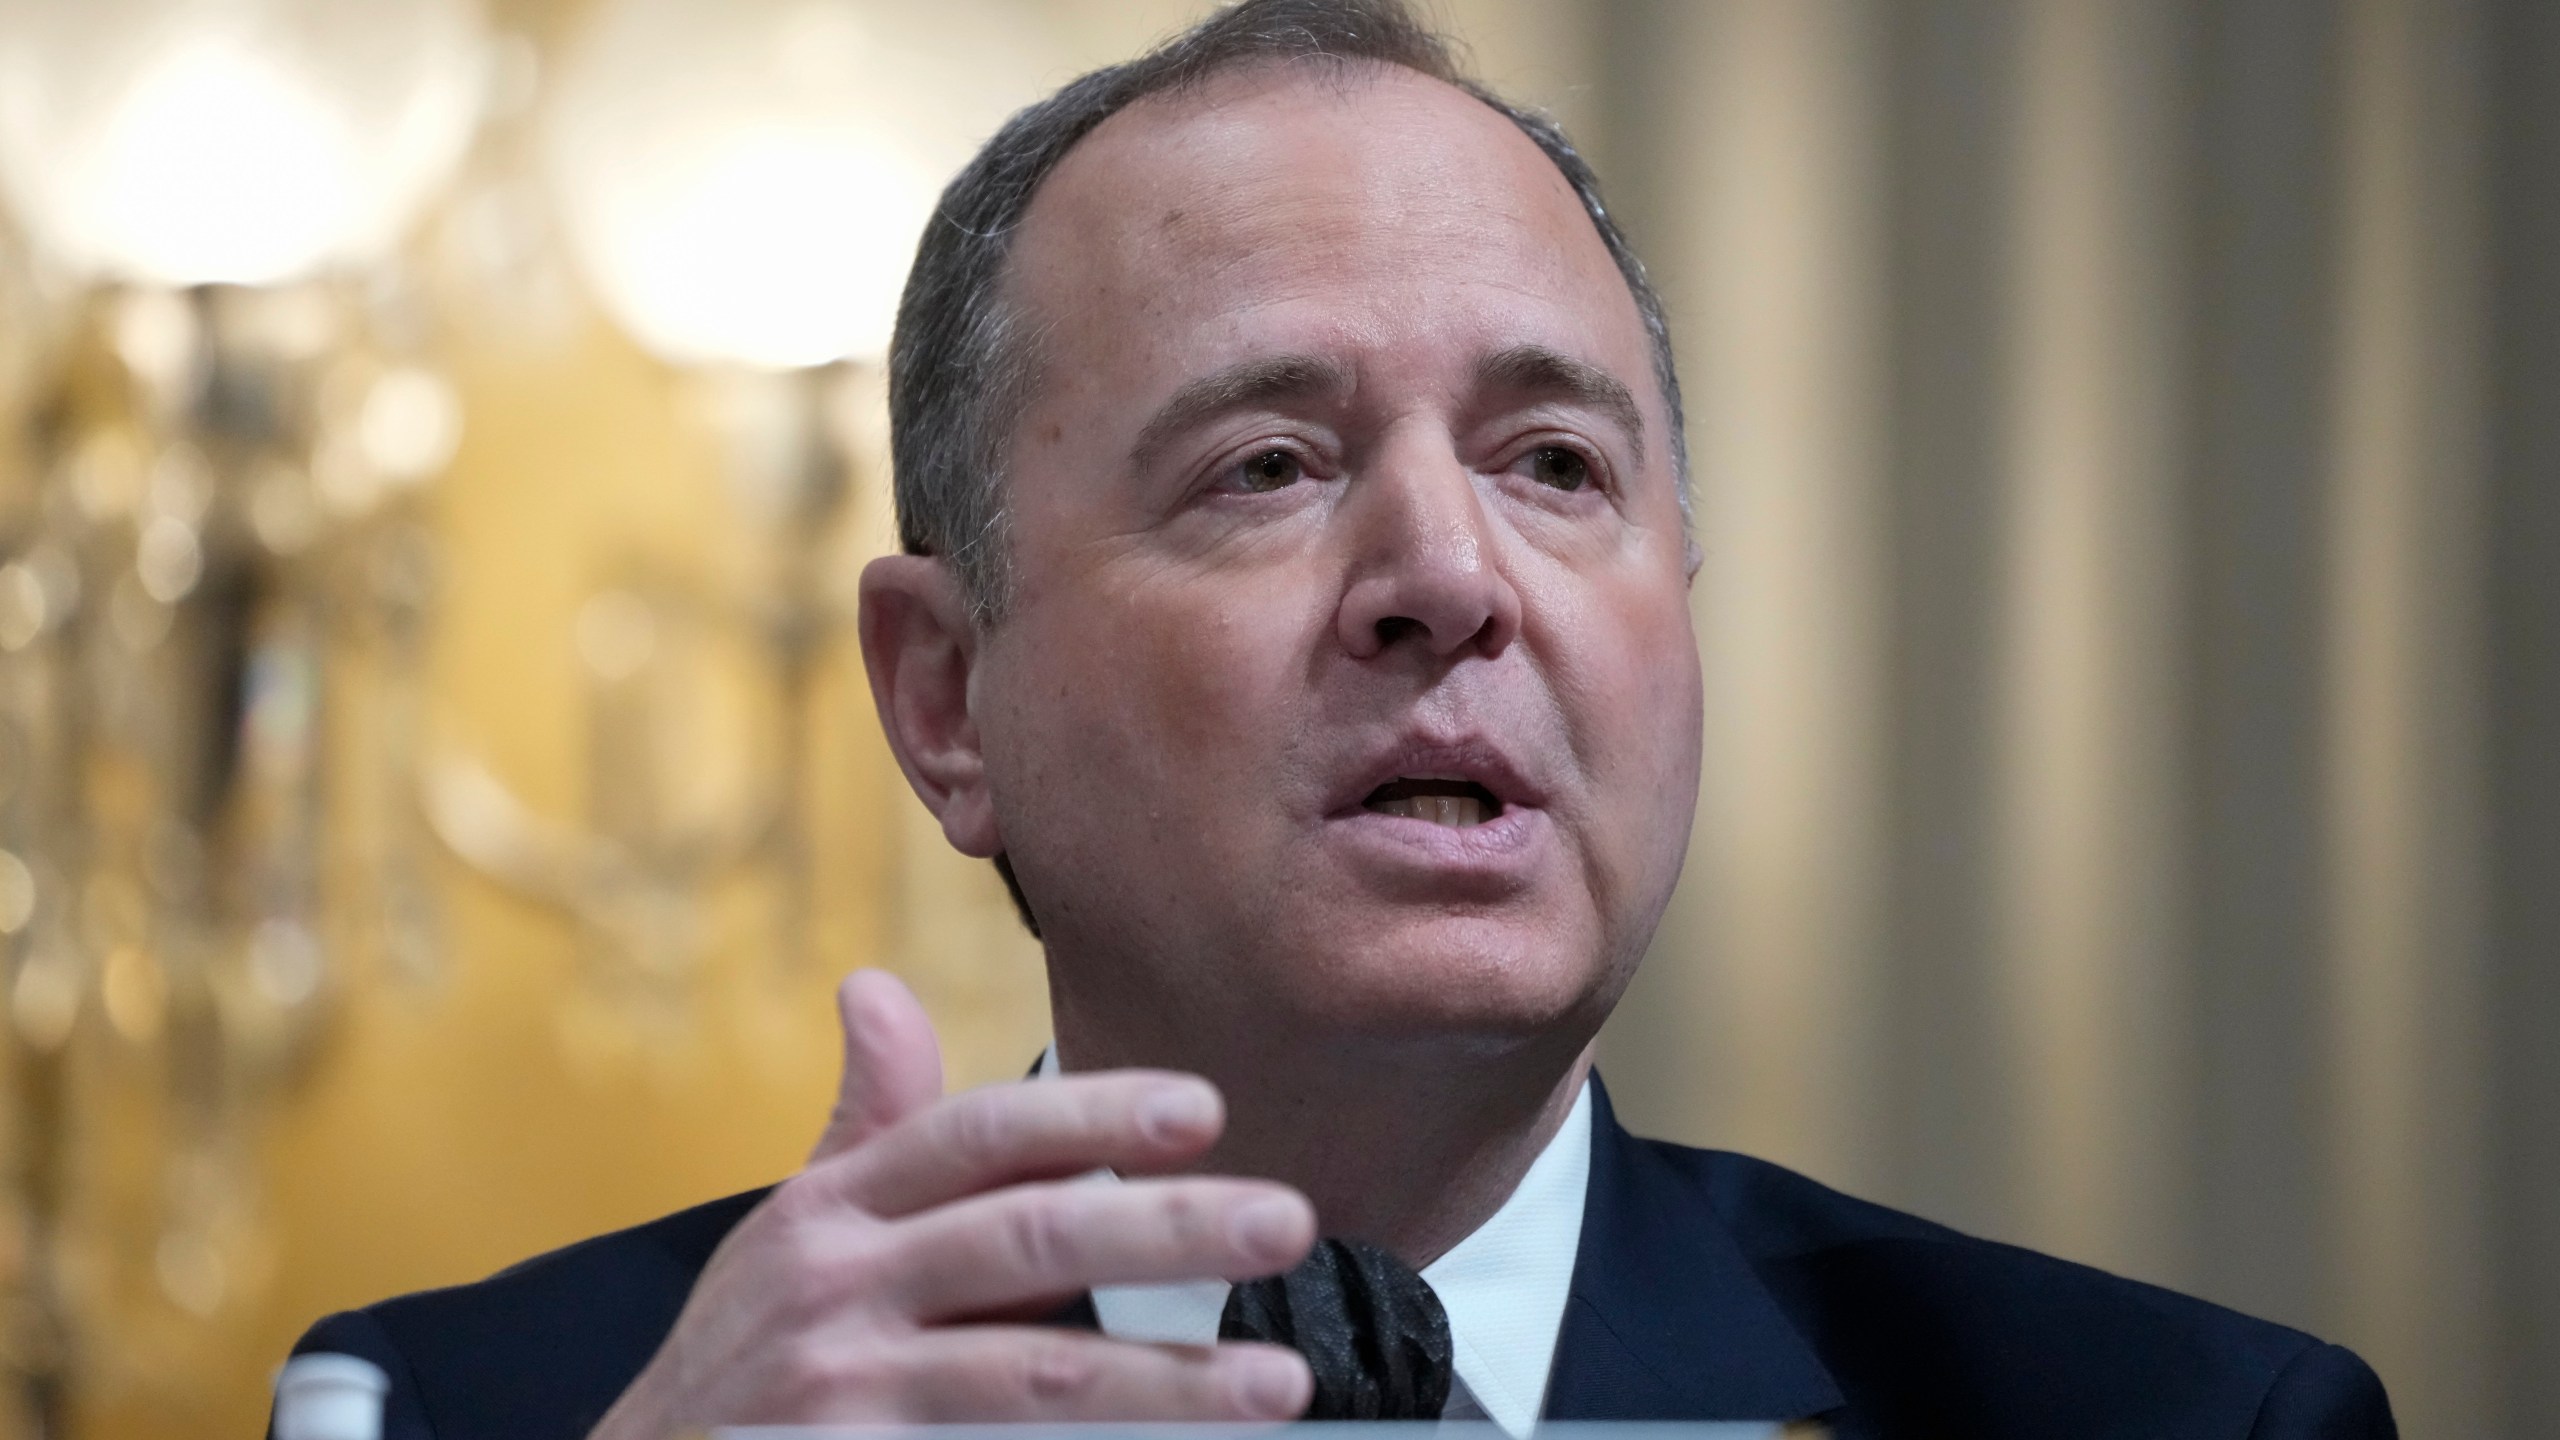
x=1454, y=811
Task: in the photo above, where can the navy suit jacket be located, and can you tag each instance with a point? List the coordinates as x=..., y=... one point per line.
x=1709, y=1286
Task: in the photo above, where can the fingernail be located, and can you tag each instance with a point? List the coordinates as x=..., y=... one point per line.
x=1272, y=1384
x=1180, y=1111
x=1270, y=1228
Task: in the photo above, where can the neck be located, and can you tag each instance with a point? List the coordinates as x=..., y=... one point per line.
x=1408, y=1143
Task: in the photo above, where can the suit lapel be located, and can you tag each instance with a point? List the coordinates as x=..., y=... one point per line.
x=1666, y=1319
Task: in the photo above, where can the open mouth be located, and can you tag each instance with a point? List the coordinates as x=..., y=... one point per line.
x=1456, y=804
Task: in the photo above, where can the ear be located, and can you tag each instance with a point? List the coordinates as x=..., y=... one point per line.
x=918, y=644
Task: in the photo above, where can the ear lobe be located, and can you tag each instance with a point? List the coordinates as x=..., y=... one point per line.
x=918, y=646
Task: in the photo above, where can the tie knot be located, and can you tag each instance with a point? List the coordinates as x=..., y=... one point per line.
x=1372, y=1331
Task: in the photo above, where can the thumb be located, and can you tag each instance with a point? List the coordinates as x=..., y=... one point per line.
x=892, y=1062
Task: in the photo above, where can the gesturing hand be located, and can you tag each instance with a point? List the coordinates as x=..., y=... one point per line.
x=895, y=1277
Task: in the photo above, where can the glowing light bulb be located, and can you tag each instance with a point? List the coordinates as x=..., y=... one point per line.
x=765, y=244
x=228, y=141
x=218, y=166
x=745, y=182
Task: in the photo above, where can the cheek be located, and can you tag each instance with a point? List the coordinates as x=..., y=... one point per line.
x=1629, y=683
x=1137, y=736
x=1190, y=683
x=1661, y=685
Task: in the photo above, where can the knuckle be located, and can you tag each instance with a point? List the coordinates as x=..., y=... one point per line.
x=815, y=1377
x=864, y=1373
x=1208, y=1388
x=797, y=1307
x=878, y=1276
x=1040, y=1237
x=977, y=1130
x=852, y=1275
x=821, y=1278
x=1050, y=1372
x=804, y=1374
x=1193, y=1215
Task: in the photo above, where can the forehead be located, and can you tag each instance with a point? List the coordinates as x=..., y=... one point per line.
x=1359, y=204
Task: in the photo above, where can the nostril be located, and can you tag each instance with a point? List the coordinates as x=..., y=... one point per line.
x=1396, y=627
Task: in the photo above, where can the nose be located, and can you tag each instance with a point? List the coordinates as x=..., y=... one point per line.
x=1427, y=571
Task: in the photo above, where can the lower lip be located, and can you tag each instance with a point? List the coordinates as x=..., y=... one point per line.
x=1501, y=850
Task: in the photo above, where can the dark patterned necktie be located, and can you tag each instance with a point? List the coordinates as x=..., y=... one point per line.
x=1371, y=1330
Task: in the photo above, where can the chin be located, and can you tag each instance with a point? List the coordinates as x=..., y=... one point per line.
x=1459, y=977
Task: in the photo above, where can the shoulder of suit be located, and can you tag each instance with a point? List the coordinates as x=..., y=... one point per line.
x=672, y=1248
x=1897, y=1303
x=543, y=1347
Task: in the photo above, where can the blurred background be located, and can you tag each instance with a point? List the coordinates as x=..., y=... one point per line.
x=437, y=795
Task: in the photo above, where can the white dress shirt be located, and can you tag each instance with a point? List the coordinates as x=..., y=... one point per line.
x=1503, y=1286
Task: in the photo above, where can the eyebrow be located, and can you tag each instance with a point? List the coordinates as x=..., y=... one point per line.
x=1270, y=381
x=1537, y=370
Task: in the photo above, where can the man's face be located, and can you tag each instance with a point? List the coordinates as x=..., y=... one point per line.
x=1348, y=680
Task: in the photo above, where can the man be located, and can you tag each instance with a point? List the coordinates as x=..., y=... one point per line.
x=1295, y=608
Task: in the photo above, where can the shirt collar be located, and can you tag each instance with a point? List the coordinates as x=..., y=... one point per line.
x=1504, y=1286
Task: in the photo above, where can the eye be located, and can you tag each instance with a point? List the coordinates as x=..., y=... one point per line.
x=1265, y=471
x=1558, y=467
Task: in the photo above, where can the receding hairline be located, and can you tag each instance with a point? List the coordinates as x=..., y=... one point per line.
x=963, y=357
x=1344, y=74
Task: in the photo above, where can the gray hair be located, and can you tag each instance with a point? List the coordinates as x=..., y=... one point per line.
x=963, y=362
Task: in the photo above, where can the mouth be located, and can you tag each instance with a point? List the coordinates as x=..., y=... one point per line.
x=1451, y=820
x=1461, y=784
x=1451, y=801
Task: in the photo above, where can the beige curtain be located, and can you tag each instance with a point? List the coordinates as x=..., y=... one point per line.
x=2129, y=669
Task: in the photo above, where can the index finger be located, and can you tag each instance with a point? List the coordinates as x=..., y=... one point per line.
x=1127, y=1120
